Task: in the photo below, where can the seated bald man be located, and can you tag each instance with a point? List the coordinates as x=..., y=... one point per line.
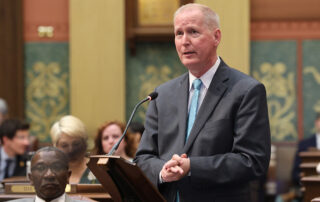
x=49, y=175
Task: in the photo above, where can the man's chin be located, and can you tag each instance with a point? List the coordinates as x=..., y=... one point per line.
x=50, y=192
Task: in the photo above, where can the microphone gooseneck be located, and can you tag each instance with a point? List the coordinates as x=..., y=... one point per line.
x=150, y=97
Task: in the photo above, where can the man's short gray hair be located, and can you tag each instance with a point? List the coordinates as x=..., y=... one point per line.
x=3, y=106
x=211, y=18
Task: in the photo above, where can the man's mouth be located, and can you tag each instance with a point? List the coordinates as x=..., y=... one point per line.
x=189, y=53
x=50, y=185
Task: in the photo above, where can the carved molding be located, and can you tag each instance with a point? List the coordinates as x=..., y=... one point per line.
x=285, y=30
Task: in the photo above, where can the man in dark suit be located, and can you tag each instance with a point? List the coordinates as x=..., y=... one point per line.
x=14, y=136
x=207, y=134
x=49, y=175
x=310, y=142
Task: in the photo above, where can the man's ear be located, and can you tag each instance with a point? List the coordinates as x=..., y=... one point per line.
x=30, y=178
x=5, y=139
x=217, y=36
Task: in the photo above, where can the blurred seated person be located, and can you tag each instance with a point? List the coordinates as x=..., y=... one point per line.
x=3, y=110
x=69, y=134
x=49, y=175
x=108, y=135
x=135, y=132
x=311, y=142
x=14, y=143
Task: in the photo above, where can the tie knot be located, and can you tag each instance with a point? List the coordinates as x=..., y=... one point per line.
x=197, y=84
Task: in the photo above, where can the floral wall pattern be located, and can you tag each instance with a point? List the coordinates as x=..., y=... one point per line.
x=311, y=83
x=152, y=65
x=47, y=86
x=274, y=64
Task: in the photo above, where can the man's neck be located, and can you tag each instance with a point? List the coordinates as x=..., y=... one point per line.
x=57, y=199
x=198, y=72
x=8, y=151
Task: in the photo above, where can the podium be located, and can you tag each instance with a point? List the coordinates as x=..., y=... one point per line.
x=122, y=179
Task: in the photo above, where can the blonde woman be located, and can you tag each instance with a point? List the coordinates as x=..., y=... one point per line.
x=69, y=134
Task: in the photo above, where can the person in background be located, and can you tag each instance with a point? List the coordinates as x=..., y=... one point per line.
x=69, y=134
x=49, y=175
x=3, y=110
x=14, y=144
x=135, y=132
x=311, y=142
x=207, y=134
x=109, y=134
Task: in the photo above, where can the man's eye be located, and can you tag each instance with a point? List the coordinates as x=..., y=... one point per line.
x=194, y=32
x=179, y=33
x=57, y=167
x=40, y=168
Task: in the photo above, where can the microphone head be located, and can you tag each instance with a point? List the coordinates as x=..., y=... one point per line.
x=152, y=95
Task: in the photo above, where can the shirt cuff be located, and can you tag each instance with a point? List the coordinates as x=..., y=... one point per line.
x=160, y=178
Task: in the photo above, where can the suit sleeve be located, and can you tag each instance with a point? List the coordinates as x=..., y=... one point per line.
x=250, y=153
x=147, y=156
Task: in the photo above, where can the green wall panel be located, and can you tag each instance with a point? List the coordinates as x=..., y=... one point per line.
x=152, y=65
x=46, y=85
x=274, y=64
x=311, y=84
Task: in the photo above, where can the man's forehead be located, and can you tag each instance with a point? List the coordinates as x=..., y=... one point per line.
x=46, y=156
x=195, y=16
x=22, y=132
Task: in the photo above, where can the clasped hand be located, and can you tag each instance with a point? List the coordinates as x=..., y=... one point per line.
x=176, y=168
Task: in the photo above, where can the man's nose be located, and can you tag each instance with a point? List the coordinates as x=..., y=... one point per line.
x=26, y=142
x=185, y=39
x=49, y=173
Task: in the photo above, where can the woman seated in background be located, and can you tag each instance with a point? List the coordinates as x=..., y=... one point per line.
x=69, y=134
x=108, y=135
x=135, y=132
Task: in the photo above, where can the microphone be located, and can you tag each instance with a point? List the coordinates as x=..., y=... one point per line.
x=150, y=97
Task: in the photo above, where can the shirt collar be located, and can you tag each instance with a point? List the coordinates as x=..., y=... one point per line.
x=59, y=199
x=4, y=155
x=206, y=78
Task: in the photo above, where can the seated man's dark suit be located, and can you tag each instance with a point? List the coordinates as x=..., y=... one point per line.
x=20, y=168
x=303, y=145
x=228, y=146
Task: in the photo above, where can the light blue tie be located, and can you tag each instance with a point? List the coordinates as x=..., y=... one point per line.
x=192, y=112
x=194, y=105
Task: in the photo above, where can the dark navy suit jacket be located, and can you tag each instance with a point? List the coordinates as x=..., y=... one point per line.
x=228, y=146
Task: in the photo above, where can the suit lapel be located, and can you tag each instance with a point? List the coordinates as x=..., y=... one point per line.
x=182, y=106
x=215, y=92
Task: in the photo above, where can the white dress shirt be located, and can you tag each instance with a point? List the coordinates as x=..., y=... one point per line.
x=61, y=198
x=318, y=141
x=206, y=79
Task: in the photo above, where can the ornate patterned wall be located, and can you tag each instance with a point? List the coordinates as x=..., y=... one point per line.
x=46, y=85
x=153, y=64
x=274, y=64
x=311, y=83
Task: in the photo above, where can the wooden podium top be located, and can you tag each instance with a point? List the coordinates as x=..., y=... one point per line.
x=123, y=179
